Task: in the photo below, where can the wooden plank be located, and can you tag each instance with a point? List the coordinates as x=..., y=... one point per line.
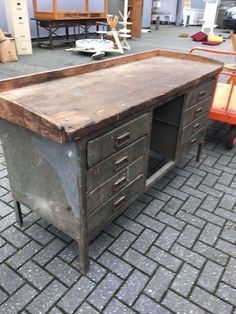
x=65, y=100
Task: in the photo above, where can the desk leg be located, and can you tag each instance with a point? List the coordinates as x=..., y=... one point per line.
x=67, y=32
x=83, y=253
x=38, y=34
x=199, y=152
x=50, y=36
x=18, y=213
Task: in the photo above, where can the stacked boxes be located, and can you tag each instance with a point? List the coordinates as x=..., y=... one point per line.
x=7, y=49
x=18, y=23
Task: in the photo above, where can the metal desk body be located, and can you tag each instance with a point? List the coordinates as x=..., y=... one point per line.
x=52, y=26
x=77, y=140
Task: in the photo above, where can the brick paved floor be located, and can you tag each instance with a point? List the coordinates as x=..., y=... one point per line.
x=172, y=251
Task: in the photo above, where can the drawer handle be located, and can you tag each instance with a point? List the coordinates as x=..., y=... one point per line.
x=198, y=112
x=195, y=128
x=193, y=141
x=122, y=139
x=119, y=183
x=201, y=94
x=120, y=163
x=120, y=201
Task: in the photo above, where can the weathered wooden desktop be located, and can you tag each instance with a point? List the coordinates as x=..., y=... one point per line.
x=77, y=140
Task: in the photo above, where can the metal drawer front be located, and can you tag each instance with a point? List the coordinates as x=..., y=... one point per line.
x=194, y=140
x=196, y=111
x=111, y=142
x=200, y=93
x=115, y=184
x=193, y=128
x=114, y=164
x=116, y=204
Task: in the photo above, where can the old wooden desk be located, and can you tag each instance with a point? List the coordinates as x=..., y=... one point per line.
x=77, y=141
x=52, y=26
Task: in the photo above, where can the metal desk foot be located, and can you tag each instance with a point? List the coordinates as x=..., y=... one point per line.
x=199, y=152
x=18, y=213
x=83, y=257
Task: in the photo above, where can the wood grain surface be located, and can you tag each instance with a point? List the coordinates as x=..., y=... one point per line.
x=66, y=108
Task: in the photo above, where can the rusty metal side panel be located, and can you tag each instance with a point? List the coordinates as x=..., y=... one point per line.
x=44, y=175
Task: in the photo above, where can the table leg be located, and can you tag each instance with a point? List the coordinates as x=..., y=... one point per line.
x=50, y=36
x=83, y=252
x=18, y=213
x=199, y=152
x=38, y=34
x=67, y=32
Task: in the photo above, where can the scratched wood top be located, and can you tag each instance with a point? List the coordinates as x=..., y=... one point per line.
x=64, y=109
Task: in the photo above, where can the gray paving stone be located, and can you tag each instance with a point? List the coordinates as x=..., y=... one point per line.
x=172, y=206
x=229, y=215
x=226, y=247
x=227, y=293
x=229, y=232
x=188, y=236
x=129, y=225
x=133, y=210
x=47, y=298
x=191, y=219
x=145, y=198
x=35, y=275
x=211, y=217
x=159, y=283
x=160, y=195
x=225, y=178
x=194, y=180
x=15, y=237
x=21, y=256
x=96, y=272
x=18, y=300
x=151, y=223
x=154, y=208
x=210, y=161
x=194, y=192
x=131, y=289
x=76, y=295
x=163, y=258
x=211, y=253
x=49, y=251
x=188, y=255
x=224, y=188
x=122, y=243
x=63, y=271
x=210, y=276
x=5, y=210
x=113, y=230
x=85, y=308
x=115, y=265
x=230, y=273
x=70, y=252
x=144, y=241
x=176, y=193
x=179, y=304
x=210, y=203
x=210, y=302
x=228, y=202
x=116, y=307
x=210, y=191
x=210, y=234
x=59, y=234
x=6, y=251
x=3, y=296
x=171, y=221
x=177, y=182
x=185, y=280
x=55, y=310
x=2, y=242
x=140, y=261
x=210, y=180
x=10, y=280
x=160, y=184
x=191, y=204
x=145, y=305
x=167, y=238
x=39, y=234
x=100, y=245
x=104, y=291
x=7, y=221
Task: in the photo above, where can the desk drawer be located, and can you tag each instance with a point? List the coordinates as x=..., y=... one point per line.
x=113, y=141
x=196, y=111
x=194, y=127
x=194, y=140
x=115, y=184
x=116, y=204
x=115, y=163
x=200, y=93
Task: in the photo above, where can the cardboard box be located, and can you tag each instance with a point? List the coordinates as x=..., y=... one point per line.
x=8, y=51
x=2, y=36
